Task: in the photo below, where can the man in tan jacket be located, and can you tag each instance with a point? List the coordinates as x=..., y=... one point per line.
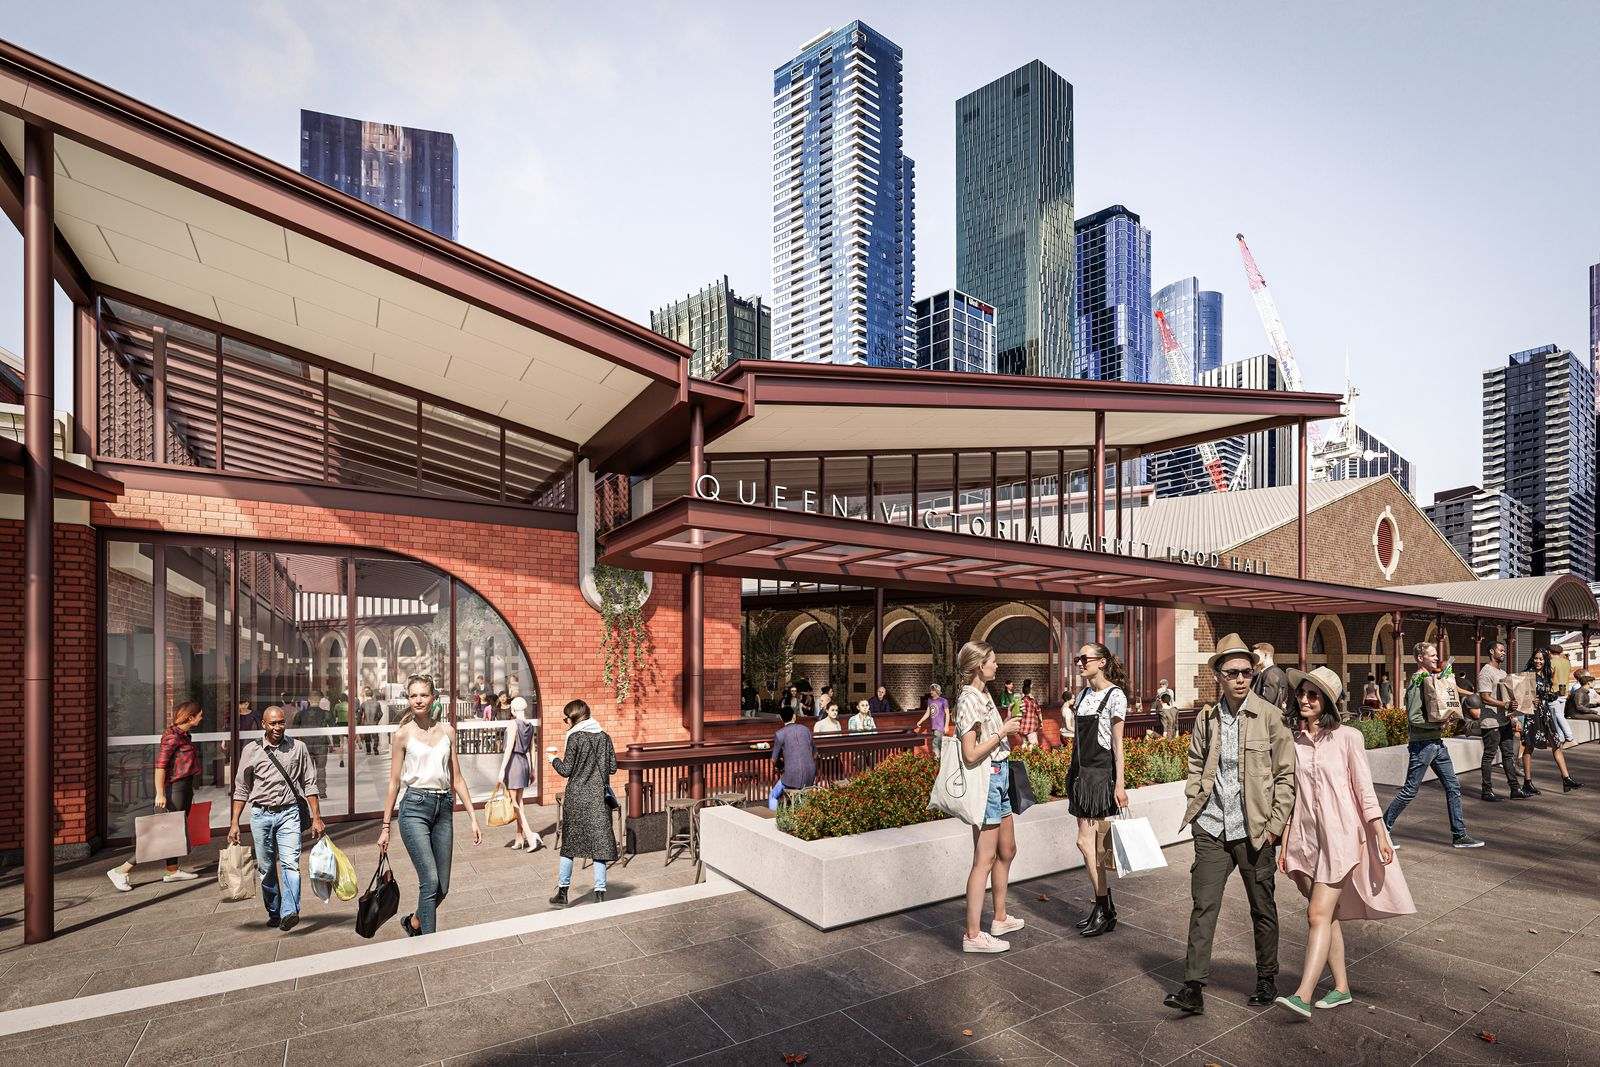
x=1241, y=792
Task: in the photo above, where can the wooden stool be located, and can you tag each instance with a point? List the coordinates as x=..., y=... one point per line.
x=684, y=839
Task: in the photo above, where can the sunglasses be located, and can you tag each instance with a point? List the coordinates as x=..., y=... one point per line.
x=1081, y=660
x=1239, y=672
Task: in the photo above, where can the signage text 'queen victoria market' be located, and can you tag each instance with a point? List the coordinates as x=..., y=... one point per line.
x=975, y=523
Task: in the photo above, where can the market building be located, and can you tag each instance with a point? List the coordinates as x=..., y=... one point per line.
x=315, y=449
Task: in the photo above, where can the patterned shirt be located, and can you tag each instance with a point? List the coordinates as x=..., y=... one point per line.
x=1032, y=716
x=1223, y=815
x=177, y=755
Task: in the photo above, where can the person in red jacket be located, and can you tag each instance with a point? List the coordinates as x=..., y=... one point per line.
x=177, y=773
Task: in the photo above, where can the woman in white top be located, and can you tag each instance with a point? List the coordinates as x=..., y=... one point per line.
x=1095, y=779
x=985, y=737
x=424, y=761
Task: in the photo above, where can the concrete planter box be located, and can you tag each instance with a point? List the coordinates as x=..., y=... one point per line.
x=1466, y=754
x=843, y=880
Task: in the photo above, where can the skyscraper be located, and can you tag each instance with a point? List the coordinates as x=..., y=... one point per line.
x=1362, y=454
x=719, y=325
x=1014, y=243
x=1271, y=452
x=1195, y=316
x=1539, y=447
x=1491, y=531
x=955, y=332
x=407, y=172
x=1594, y=325
x=1114, y=328
x=842, y=215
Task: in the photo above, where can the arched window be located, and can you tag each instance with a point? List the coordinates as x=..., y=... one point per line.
x=408, y=647
x=335, y=649
x=370, y=649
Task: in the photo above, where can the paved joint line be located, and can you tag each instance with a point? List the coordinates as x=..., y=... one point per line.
x=142, y=1034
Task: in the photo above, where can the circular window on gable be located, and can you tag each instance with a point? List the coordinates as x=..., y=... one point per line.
x=1386, y=543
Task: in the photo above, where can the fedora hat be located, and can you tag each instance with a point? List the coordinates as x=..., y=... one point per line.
x=1326, y=682
x=1231, y=645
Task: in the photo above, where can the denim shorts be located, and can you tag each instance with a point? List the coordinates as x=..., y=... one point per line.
x=999, y=805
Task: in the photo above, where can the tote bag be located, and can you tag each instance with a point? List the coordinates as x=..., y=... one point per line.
x=163, y=836
x=381, y=900
x=236, y=872
x=1445, y=698
x=1134, y=844
x=958, y=790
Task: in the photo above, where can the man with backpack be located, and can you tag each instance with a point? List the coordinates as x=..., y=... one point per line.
x=1272, y=681
x=1427, y=749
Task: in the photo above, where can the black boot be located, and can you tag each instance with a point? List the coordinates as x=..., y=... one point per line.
x=599, y=896
x=1102, y=921
x=1568, y=785
x=560, y=899
x=1091, y=918
x=1188, y=1000
x=1266, y=991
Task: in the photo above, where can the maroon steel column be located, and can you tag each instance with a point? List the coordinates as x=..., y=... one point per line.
x=1396, y=683
x=38, y=630
x=1477, y=649
x=1303, y=447
x=1305, y=646
x=694, y=618
x=1097, y=512
x=1585, y=648
x=877, y=639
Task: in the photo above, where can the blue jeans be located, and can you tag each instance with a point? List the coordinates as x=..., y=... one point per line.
x=998, y=805
x=276, y=836
x=772, y=797
x=564, y=877
x=1425, y=754
x=427, y=826
x=1558, y=715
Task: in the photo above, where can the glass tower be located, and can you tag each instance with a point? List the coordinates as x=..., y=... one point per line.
x=719, y=325
x=407, y=172
x=1014, y=246
x=1114, y=328
x=842, y=245
x=955, y=332
x=1195, y=315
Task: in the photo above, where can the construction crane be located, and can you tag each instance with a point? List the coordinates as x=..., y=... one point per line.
x=1180, y=372
x=1267, y=308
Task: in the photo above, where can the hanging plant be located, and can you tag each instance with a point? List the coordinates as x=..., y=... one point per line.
x=624, y=638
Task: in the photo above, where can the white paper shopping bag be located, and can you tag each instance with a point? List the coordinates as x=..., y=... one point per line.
x=1134, y=844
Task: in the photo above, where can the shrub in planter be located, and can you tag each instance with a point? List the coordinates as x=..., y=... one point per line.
x=1152, y=759
x=1395, y=723
x=1047, y=766
x=1166, y=767
x=1375, y=734
x=894, y=793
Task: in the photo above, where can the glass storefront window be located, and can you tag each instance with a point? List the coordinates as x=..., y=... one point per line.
x=492, y=671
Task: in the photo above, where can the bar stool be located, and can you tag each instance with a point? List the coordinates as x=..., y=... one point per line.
x=686, y=838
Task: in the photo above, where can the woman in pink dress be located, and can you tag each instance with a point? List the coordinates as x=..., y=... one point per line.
x=1336, y=847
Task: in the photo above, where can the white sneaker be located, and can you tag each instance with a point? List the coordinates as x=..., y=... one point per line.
x=984, y=943
x=1012, y=923
x=179, y=876
x=119, y=878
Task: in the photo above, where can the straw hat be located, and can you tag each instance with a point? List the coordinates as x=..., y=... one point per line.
x=1231, y=645
x=1326, y=682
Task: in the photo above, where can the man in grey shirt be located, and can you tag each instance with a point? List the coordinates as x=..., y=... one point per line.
x=1499, y=742
x=274, y=773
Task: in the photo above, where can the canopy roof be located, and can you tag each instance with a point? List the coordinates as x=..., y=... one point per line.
x=1554, y=598
x=149, y=206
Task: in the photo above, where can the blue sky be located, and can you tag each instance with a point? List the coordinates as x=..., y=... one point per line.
x=1418, y=180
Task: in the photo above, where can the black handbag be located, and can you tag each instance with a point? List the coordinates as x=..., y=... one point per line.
x=611, y=800
x=381, y=900
x=1021, y=789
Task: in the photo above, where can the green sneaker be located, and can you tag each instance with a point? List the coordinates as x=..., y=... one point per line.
x=1296, y=1005
x=1334, y=999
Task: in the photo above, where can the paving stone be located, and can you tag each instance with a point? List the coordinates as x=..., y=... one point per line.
x=831, y=1040
x=657, y=1034
x=778, y=999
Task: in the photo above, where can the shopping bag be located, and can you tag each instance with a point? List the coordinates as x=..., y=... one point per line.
x=236, y=872
x=1446, y=699
x=324, y=869
x=199, y=824
x=162, y=836
x=1524, y=693
x=1136, y=848
x=380, y=901
x=958, y=790
x=1022, y=797
x=346, y=887
x=499, y=810
x=1103, y=851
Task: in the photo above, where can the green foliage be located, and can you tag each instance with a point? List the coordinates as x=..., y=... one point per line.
x=1049, y=766
x=1166, y=767
x=1395, y=724
x=1152, y=759
x=768, y=653
x=894, y=793
x=1374, y=732
x=624, y=638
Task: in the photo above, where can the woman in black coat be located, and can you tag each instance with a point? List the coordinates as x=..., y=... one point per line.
x=586, y=833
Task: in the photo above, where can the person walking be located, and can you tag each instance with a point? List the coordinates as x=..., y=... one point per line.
x=370, y=713
x=586, y=833
x=862, y=721
x=177, y=773
x=1031, y=714
x=1539, y=729
x=1336, y=847
x=985, y=737
x=1427, y=749
x=1371, y=697
x=1241, y=792
x=1095, y=777
x=935, y=716
x=516, y=772
x=425, y=763
x=1563, y=684
x=275, y=774
x=1494, y=724
x=794, y=757
x=1168, y=714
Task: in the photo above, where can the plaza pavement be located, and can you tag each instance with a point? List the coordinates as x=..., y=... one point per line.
x=1506, y=946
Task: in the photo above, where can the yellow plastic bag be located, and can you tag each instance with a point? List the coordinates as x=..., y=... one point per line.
x=499, y=810
x=345, y=887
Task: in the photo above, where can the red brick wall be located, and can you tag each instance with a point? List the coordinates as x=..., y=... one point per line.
x=529, y=576
x=76, y=663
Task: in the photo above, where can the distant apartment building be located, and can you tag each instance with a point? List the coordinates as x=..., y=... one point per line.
x=1539, y=448
x=1361, y=454
x=1268, y=456
x=955, y=332
x=1195, y=317
x=842, y=216
x=1014, y=215
x=1490, y=530
x=719, y=325
x=1114, y=327
x=407, y=172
